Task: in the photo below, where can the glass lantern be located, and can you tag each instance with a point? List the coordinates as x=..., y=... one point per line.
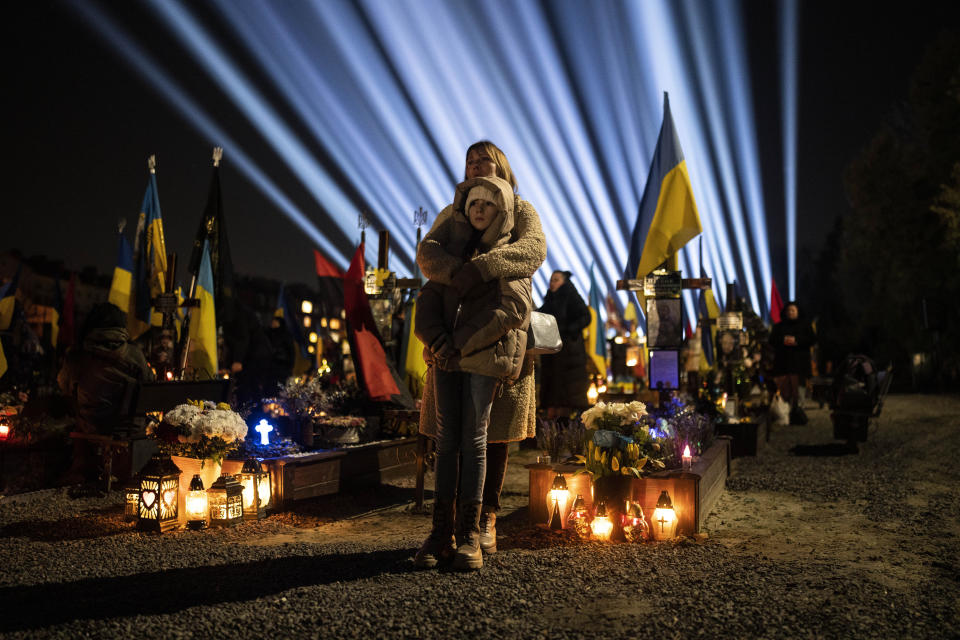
x=557, y=499
x=635, y=528
x=579, y=517
x=601, y=526
x=225, y=497
x=664, y=518
x=159, y=495
x=131, y=499
x=256, y=490
x=196, y=506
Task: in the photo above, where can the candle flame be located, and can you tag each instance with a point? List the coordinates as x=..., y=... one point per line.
x=686, y=451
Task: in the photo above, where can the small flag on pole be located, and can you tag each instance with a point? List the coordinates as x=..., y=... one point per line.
x=203, y=321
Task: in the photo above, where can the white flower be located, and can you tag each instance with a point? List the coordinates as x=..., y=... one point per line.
x=183, y=414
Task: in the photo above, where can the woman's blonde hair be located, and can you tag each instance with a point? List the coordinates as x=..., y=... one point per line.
x=499, y=158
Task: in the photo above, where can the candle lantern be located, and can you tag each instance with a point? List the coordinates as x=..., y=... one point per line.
x=159, y=495
x=196, y=504
x=256, y=490
x=557, y=499
x=4, y=428
x=578, y=520
x=592, y=394
x=602, y=526
x=635, y=528
x=131, y=499
x=664, y=518
x=225, y=497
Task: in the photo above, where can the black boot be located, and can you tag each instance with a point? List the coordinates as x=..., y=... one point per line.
x=438, y=547
x=469, y=557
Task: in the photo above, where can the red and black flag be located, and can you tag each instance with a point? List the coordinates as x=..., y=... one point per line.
x=330, y=281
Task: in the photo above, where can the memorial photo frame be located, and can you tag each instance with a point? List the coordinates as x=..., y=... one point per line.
x=664, y=369
x=664, y=323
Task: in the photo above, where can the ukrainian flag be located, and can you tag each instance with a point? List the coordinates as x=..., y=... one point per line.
x=151, y=263
x=8, y=300
x=596, y=342
x=202, y=357
x=709, y=310
x=668, y=217
x=122, y=275
x=411, y=353
x=630, y=318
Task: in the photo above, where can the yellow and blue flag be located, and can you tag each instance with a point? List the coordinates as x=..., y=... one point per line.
x=596, y=342
x=202, y=356
x=8, y=299
x=150, y=259
x=668, y=217
x=411, y=352
x=122, y=275
x=709, y=312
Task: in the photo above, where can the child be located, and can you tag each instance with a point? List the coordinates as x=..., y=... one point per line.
x=474, y=344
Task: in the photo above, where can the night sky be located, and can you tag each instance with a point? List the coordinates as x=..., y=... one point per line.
x=83, y=124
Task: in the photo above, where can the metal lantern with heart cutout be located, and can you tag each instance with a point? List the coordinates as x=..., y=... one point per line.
x=159, y=492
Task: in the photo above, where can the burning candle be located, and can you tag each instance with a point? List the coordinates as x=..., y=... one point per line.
x=686, y=458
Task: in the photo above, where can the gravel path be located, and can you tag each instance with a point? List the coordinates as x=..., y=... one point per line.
x=855, y=546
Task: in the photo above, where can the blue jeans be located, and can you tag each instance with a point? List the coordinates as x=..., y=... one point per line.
x=463, y=414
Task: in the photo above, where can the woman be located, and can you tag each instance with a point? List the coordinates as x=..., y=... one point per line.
x=791, y=339
x=563, y=376
x=513, y=414
x=474, y=345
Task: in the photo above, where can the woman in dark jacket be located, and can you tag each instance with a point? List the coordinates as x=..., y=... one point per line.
x=563, y=376
x=791, y=339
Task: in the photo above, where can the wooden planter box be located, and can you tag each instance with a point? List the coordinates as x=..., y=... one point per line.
x=694, y=493
x=744, y=437
x=324, y=472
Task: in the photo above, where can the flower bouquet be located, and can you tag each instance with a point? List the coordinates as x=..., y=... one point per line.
x=617, y=442
x=200, y=429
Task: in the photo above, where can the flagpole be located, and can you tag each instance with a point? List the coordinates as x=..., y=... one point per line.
x=188, y=303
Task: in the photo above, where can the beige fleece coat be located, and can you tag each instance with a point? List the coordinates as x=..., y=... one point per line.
x=514, y=411
x=488, y=326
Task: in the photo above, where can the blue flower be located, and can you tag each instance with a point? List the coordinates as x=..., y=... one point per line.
x=605, y=438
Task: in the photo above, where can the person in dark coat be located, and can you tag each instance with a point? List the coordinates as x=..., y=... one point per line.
x=563, y=376
x=791, y=339
x=249, y=351
x=95, y=377
x=283, y=354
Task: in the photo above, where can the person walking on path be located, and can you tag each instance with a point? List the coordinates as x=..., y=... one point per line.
x=563, y=376
x=513, y=414
x=791, y=339
x=473, y=344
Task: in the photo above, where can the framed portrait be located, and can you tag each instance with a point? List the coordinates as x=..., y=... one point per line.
x=664, y=323
x=664, y=369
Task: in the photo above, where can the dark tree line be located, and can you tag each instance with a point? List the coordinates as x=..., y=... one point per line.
x=887, y=282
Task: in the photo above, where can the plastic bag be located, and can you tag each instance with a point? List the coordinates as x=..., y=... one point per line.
x=779, y=411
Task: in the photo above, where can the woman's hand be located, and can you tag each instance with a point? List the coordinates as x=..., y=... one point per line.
x=466, y=279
